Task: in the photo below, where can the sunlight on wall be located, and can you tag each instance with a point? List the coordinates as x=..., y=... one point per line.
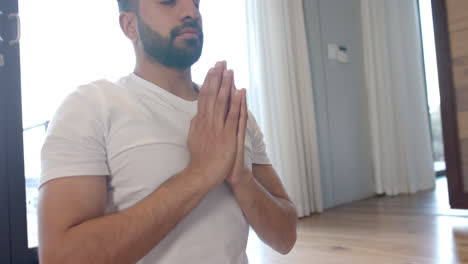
x=66, y=44
x=225, y=29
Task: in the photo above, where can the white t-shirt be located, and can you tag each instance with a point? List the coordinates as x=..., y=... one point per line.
x=135, y=133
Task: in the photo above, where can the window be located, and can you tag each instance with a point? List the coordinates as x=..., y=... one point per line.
x=225, y=29
x=432, y=83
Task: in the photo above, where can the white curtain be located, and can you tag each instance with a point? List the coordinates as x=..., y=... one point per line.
x=398, y=110
x=280, y=96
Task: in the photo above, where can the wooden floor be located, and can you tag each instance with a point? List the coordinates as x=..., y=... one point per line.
x=406, y=229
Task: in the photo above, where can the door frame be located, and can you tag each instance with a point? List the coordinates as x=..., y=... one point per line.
x=458, y=197
x=13, y=145
x=5, y=256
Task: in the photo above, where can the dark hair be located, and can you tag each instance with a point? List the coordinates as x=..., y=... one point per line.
x=128, y=5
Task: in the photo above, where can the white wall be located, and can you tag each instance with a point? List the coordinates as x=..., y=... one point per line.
x=340, y=100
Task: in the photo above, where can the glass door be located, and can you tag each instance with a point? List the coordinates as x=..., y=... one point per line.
x=63, y=44
x=432, y=85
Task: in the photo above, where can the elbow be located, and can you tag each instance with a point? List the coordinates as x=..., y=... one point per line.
x=290, y=236
x=288, y=243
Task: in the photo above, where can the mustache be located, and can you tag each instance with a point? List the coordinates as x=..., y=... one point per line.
x=191, y=24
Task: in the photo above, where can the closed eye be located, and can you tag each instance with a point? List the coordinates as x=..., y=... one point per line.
x=168, y=2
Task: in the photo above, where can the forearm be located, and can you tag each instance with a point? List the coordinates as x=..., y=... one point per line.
x=274, y=219
x=127, y=236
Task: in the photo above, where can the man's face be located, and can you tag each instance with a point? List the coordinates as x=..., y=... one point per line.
x=173, y=35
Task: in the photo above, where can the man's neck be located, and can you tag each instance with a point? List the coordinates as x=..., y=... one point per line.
x=177, y=82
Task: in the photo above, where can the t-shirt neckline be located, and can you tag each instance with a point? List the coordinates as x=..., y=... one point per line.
x=152, y=88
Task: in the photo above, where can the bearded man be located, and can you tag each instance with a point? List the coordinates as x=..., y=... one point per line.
x=154, y=168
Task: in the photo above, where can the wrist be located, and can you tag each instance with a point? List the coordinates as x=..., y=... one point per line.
x=243, y=182
x=202, y=175
x=195, y=176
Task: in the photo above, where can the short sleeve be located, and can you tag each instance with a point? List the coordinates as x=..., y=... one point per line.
x=259, y=154
x=74, y=143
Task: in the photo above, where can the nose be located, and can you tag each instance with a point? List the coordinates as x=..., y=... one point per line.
x=189, y=10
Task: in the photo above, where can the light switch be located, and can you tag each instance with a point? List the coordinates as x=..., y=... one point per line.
x=338, y=53
x=332, y=51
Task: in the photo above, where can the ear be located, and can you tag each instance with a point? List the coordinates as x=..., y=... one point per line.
x=128, y=24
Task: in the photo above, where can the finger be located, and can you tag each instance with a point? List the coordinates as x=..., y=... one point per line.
x=222, y=102
x=233, y=90
x=243, y=114
x=202, y=97
x=232, y=122
x=242, y=123
x=213, y=88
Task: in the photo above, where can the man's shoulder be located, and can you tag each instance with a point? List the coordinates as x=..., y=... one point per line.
x=100, y=92
x=99, y=88
x=97, y=96
x=88, y=102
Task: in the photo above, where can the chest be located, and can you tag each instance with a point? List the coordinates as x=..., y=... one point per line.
x=145, y=150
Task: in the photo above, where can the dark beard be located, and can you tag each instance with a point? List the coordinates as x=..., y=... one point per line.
x=164, y=51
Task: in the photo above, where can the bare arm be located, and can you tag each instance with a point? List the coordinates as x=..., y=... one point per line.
x=262, y=197
x=72, y=224
x=73, y=228
x=267, y=208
